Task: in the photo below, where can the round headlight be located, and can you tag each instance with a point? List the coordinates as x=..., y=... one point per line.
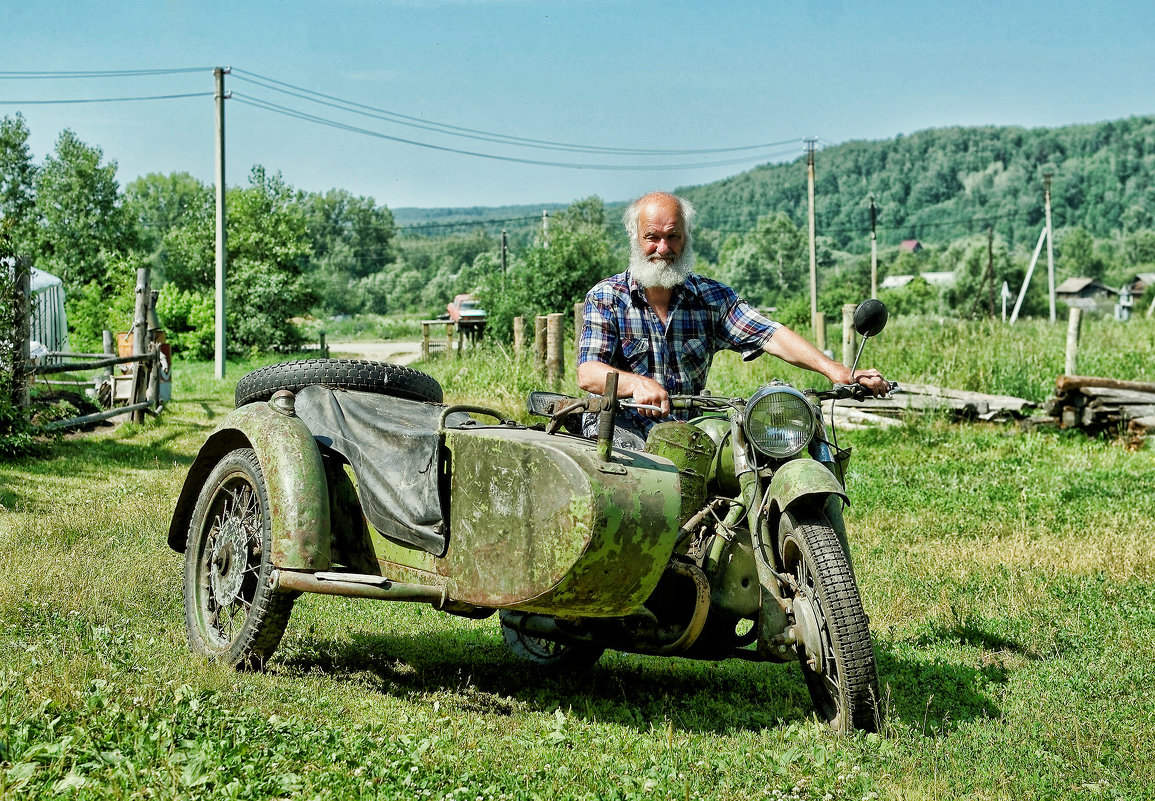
x=779, y=421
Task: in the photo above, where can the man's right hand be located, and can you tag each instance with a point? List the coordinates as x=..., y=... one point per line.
x=644, y=390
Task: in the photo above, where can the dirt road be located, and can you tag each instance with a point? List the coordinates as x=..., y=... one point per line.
x=392, y=352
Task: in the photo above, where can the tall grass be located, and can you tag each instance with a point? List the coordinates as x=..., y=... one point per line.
x=1008, y=578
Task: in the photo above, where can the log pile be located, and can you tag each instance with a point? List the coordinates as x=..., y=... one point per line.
x=952, y=402
x=1103, y=404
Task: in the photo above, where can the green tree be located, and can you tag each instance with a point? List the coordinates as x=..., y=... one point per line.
x=82, y=214
x=17, y=183
x=770, y=264
x=159, y=204
x=551, y=276
x=84, y=237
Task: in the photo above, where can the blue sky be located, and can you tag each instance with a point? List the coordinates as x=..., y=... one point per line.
x=641, y=75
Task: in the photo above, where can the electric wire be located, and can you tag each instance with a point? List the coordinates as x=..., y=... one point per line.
x=301, y=115
x=473, y=133
x=70, y=101
x=47, y=75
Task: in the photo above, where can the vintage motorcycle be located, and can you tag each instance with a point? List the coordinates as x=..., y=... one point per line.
x=722, y=538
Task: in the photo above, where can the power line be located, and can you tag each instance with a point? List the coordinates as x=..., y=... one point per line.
x=473, y=133
x=101, y=99
x=44, y=75
x=301, y=115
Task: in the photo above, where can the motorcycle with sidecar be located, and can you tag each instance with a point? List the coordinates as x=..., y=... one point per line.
x=722, y=538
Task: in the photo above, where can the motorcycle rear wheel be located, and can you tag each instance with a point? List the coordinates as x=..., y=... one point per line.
x=547, y=655
x=842, y=677
x=232, y=614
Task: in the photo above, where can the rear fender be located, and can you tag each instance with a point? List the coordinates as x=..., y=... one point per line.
x=294, y=475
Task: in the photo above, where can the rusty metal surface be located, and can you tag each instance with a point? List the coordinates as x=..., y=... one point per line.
x=535, y=524
x=294, y=475
x=692, y=451
x=803, y=478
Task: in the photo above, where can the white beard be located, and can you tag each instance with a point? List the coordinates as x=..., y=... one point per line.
x=656, y=272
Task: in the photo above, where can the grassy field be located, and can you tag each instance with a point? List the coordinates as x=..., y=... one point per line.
x=1008, y=577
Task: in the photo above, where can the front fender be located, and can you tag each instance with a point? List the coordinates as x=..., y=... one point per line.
x=294, y=477
x=803, y=478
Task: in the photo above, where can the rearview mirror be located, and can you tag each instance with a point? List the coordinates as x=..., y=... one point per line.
x=870, y=317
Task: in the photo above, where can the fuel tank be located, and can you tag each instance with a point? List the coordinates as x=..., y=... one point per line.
x=538, y=523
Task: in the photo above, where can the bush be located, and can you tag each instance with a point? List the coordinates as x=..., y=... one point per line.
x=189, y=319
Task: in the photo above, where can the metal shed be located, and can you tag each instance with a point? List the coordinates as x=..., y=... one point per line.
x=49, y=324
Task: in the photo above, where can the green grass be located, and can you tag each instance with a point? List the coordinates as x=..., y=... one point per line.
x=1009, y=579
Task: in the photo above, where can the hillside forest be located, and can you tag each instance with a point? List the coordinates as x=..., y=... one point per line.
x=971, y=197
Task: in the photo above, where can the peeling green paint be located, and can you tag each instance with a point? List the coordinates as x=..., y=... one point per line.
x=535, y=525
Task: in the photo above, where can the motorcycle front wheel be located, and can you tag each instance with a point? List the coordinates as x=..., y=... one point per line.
x=232, y=614
x=835, y=649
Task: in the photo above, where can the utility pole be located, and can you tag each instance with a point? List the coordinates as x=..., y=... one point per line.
x=1050, y=243
x=504, y=250
x=873, y=249
x=991, y=266
x=819, y=332
x=220, y=97
x=545, y=226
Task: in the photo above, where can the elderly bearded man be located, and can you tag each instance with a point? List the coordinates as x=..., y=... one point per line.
x=659, y=324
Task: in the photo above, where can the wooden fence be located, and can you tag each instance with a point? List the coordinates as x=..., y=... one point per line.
x=137, y=391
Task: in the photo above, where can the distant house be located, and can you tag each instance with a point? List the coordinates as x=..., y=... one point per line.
x=1087, y=294
x=942, y=279
x=1140, y=283
x=910, y=246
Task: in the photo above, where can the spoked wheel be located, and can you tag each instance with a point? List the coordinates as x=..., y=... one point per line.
x=231, y=612
x=834, y=646
x=547, y=655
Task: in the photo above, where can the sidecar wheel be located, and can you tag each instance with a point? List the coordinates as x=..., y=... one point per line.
x=835, y=649
x=547, y=655
x=232, y=615
x=382, y=378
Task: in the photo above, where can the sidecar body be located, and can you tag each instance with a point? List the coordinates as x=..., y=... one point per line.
x=382, y=497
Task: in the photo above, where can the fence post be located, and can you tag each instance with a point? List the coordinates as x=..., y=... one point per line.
x=140, y=340
x=578, y=320
x=518, y=335
x=555, y=348
x=539, y=328
x=425, y=342
x=321, y=346
x=449, y=340
x=24, y=332
x=848, y=333
x=1074, y=323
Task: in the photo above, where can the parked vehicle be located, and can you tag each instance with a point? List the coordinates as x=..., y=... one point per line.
x=465, y=309
x=723, y=539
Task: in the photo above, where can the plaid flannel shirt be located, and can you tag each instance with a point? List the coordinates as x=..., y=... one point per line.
x=623, y=331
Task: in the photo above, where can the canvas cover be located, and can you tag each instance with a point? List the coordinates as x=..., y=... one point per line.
x=392, y=446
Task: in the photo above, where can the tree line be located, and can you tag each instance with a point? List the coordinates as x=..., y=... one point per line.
x=971, y=196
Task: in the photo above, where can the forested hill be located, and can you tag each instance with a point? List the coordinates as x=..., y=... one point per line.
x=938, y=185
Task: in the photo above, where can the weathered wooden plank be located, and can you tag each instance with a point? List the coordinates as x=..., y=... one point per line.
x=1068, y=382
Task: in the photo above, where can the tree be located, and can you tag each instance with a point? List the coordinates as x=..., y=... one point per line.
x=84, y=236
x=81, y=211
x=268, y=245
x=159, y=204
x=17, y=183
x=552, y=276
x=769, y=264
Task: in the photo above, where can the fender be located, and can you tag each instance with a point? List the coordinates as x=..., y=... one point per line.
x=803, y=478
x=294, y=476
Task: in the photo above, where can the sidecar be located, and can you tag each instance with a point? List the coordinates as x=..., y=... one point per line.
x=353, y=479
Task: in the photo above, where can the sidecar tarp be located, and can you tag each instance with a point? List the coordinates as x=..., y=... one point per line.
x=391, y=445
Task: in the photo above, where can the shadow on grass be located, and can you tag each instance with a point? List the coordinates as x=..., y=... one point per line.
x=637, y=691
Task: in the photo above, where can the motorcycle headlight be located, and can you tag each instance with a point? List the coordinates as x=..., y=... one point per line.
x=779, y=421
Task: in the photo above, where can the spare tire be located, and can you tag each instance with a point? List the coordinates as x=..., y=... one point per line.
x=363, y=376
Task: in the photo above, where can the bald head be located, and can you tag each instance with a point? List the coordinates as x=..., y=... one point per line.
x=661, y=249
x=663, y=204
